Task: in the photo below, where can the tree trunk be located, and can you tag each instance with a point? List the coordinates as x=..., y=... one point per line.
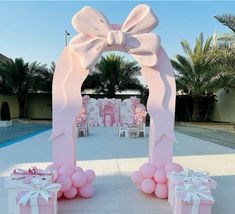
x=188, y=112
x=196, y=109
x=22, y=107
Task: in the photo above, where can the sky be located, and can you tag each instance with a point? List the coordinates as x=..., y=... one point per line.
x=35, y=30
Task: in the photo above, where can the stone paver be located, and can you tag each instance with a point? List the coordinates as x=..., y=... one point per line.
x=214, y=134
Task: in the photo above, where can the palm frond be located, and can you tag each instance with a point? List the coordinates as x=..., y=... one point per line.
x=227, y=20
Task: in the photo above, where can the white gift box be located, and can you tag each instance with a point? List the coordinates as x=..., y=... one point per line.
x=12, y=184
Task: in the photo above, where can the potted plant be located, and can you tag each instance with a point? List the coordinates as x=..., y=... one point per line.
x=5, y=115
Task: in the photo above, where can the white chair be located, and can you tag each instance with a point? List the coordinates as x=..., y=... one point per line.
x=82, y=129
x=122, y=131
x=142, y=130
x=133, y=132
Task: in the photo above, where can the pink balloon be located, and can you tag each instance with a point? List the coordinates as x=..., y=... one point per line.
x=78, y=179
x=71, y=193
x=86, y=191
x=160, y=176
x=147, y=170
x=52, y=167
x=161, y=191
x=59, y=194
x=90, y=175
x=65, y=182
x=66, y=170
x=77, y=168
x=136, y=177
x=173, y=167
x=148, y=186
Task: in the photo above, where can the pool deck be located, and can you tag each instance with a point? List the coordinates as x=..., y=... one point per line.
x=114, y=159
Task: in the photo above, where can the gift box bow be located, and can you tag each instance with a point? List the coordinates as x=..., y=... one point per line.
x=37, y=188
x=32, y=172
x=189, y=175
x=194, y=194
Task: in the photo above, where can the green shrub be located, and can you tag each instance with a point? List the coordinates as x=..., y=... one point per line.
x=5, y=112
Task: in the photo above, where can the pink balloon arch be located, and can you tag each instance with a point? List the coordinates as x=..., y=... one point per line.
x=96, y=36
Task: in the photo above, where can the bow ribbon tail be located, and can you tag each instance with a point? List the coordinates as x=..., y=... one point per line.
x=208, y=197
x=196, y=204
x=75, y=75
x=34, y=203
x=24, y=199
x=45, y=195
x=53, y=187
x=63, y=66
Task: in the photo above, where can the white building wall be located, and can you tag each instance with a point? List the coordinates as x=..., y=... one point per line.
x=224, y=110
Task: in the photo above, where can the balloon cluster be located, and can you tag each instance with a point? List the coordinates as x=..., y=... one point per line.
x=151, y=179
x=74, y=181
x=82, y=115
x=139, y=115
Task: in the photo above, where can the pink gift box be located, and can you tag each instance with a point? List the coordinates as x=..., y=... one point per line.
x=182, y=207
x=13, y=182
x=175, y=180
x=44, y=207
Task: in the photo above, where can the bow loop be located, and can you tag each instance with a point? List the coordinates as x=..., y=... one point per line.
x=91, y=22
x=191, y=176
x=141, y=20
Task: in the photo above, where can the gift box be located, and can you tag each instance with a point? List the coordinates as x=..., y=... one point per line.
x=42, y=206
x=18, y=177
x=40, y=198
x=191, y=199
x=185, y=177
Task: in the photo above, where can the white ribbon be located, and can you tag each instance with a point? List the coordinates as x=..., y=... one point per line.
x=194, y=194
x=37, y=188
x=190, y=176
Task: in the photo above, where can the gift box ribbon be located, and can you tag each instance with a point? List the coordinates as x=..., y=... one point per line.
x=32, y=171
x=194, y=194
x=191, y=176
x=37, y=188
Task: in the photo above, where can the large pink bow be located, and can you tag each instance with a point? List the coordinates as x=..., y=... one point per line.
x=98, y=35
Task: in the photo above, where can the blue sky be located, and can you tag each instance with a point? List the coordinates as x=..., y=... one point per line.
x=35, y=30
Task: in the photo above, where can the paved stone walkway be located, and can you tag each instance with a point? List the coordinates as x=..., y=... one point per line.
x=220, y=135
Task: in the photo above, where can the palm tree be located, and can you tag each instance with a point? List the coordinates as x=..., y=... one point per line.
x=229, y=21
x=43, y=81
x=224, y=58
x=113, y=74
x=22, y=77
x=195, y=72
x=225, y=51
